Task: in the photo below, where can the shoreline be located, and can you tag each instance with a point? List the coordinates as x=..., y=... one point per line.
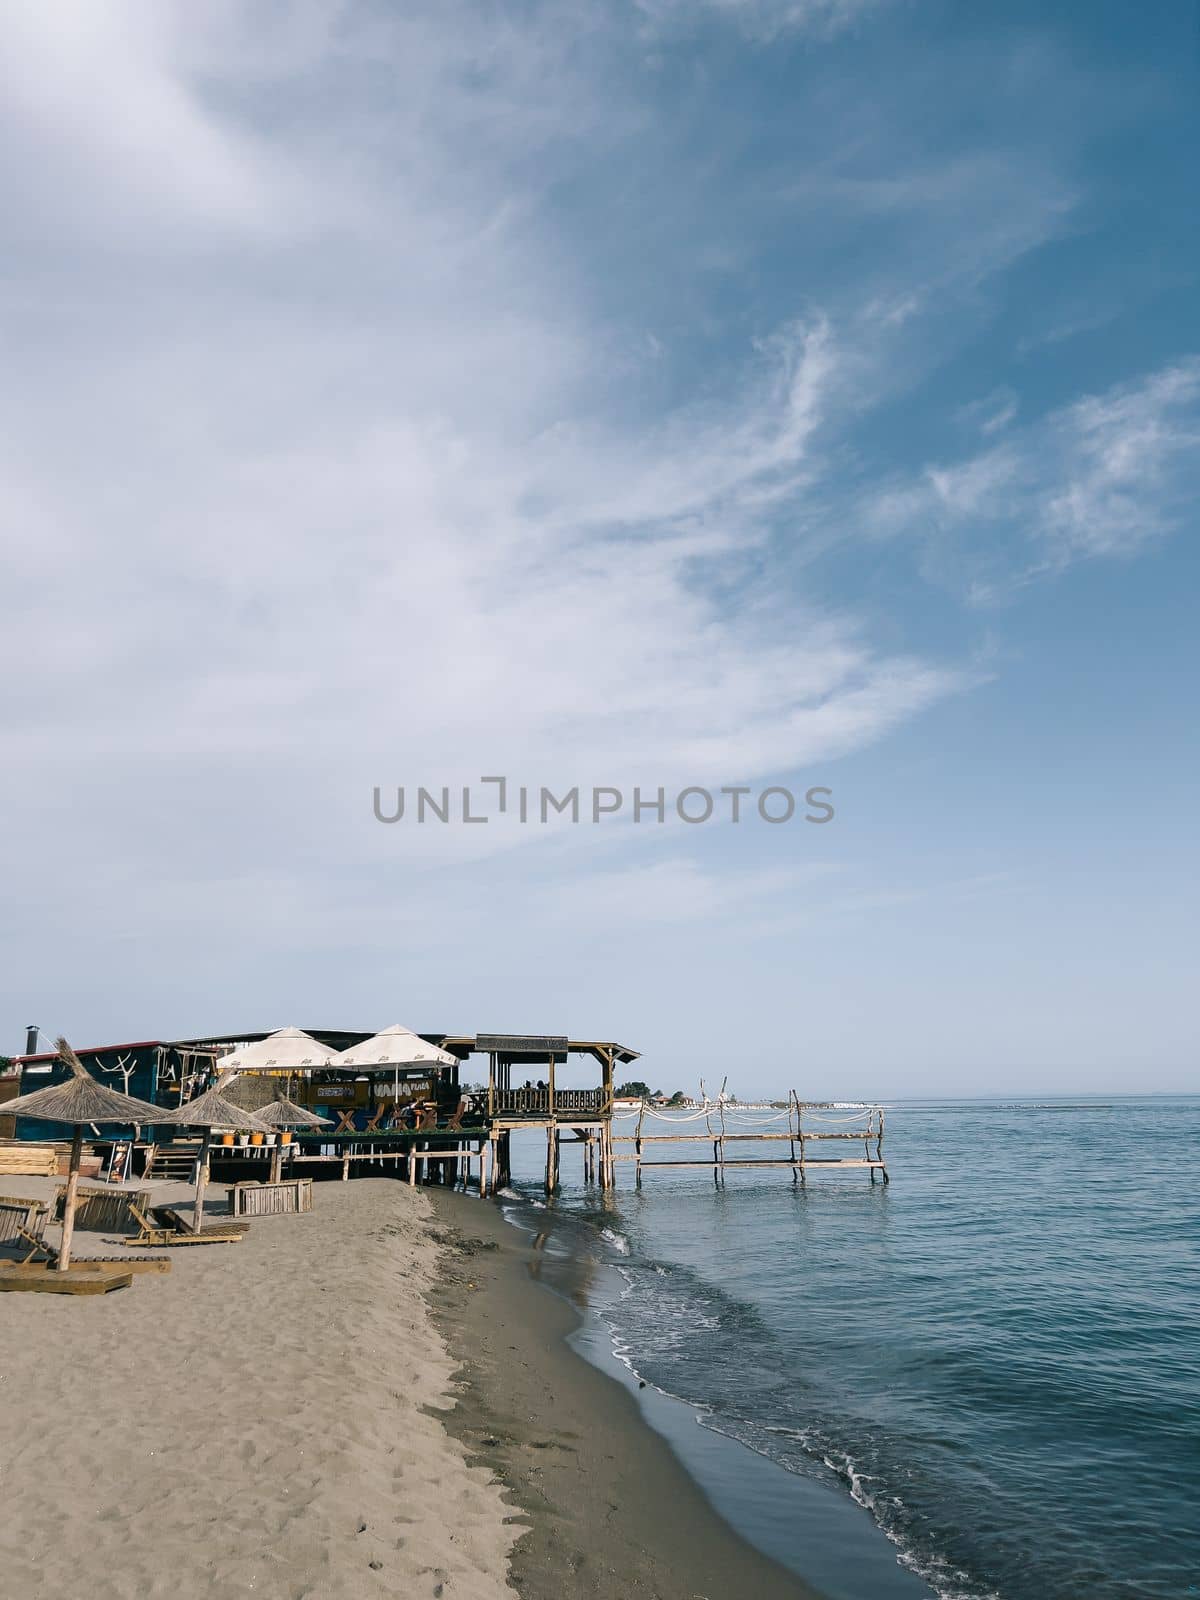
x=607, y=1509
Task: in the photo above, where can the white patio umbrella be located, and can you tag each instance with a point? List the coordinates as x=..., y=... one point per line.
x=396, y=1046
x=286, y=1050
x=393, y=1047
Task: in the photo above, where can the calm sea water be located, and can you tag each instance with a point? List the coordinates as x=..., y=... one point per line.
x=998, y=1355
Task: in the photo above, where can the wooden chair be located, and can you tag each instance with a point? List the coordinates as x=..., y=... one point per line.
x=153, y=1236
x=168, y=1217
x=36, y=1248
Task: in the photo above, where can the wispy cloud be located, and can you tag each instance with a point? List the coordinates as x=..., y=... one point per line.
x=765, y=18
x=1100, y=478
x=992, y=413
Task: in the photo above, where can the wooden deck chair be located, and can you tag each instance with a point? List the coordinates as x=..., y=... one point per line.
x=456, y=1121
x=168, y=1217
x=153, y=1236
x=36, y=1248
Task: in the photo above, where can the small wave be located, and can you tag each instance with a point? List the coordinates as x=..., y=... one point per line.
x=617, y=1240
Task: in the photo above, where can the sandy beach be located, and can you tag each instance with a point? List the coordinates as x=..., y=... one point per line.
x=371, y=1399
x=262, y=1421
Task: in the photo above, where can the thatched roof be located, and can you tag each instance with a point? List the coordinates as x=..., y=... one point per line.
x=80, y=1099
x=213, y=1110
x=285, y=1113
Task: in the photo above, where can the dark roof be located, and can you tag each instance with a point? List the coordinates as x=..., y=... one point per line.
x=92, y=1050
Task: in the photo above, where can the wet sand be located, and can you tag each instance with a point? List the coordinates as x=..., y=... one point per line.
x=609, y=1510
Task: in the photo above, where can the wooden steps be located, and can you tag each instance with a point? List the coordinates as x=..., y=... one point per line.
x=172, y=1162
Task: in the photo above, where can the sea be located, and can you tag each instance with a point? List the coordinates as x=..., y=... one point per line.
x=980, y=1381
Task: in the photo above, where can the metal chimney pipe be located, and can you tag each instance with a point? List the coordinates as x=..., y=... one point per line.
x=31, y=1039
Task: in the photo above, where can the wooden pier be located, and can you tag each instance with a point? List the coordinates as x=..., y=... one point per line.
x=725, y=1124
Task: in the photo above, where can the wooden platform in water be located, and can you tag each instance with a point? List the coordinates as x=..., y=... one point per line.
x=35, y=1279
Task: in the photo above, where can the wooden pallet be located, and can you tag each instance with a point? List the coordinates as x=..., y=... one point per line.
x=102, y=1210
x=270, y=1199
x=17, y=1213
x=95, y=1264
x=47, y=1281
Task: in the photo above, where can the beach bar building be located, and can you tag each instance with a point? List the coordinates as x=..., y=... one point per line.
x=392, y=1102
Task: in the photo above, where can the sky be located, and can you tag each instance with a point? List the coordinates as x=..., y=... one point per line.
x=660, y=393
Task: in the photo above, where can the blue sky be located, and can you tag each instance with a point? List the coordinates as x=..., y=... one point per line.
x=752, y=391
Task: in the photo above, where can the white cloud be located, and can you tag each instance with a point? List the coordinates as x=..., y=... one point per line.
x=119, y=134
x=992, y=413
x=1129, y=466
x=1100, y=478
x=354, y=494
x=765, y=19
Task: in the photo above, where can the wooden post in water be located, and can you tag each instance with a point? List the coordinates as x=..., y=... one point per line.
x=879, y=1147
x=606, y=1160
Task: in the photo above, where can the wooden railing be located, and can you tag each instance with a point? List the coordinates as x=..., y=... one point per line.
x=537, y=1102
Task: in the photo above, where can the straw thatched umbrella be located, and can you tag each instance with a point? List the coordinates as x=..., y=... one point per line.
x=285, y=1113
x=79, y=1101
x=212, y=1112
